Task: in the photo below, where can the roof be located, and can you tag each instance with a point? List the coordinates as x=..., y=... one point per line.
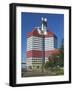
x=36, y=33
x=33, y=33
x=50, y=34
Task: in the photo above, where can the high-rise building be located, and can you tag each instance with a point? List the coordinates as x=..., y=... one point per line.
x=40, y=44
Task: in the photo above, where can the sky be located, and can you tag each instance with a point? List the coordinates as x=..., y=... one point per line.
x=30, y=20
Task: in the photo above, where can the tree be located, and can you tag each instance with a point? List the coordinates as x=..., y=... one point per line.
x=58, y=59
x=55, y=60
x=55, y=64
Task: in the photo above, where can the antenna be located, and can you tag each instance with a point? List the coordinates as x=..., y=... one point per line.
x=44, y=24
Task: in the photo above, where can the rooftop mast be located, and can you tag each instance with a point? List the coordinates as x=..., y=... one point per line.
x=44, y=25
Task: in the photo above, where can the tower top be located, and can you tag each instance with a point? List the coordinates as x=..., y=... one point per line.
x=44, y=19
x=44, y=25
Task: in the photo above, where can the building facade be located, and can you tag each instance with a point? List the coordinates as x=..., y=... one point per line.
x=40, y=44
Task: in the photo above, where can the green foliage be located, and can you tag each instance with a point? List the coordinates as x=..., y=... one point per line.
x=48, y=64
x=55, y=60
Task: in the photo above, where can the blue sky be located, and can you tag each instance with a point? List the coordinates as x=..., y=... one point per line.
x=30, y=20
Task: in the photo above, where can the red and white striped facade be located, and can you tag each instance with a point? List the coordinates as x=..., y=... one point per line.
x=35, y=48
x=35, y=45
